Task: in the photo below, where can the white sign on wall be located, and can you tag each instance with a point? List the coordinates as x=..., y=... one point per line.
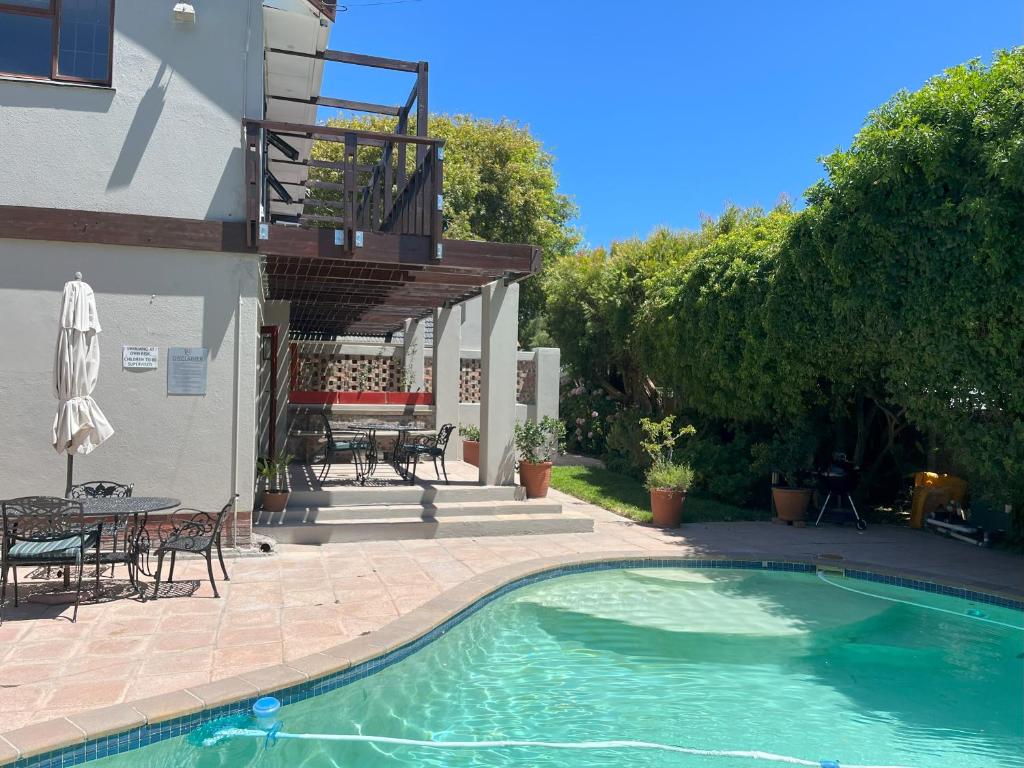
x=186, y=370
x=140, y=357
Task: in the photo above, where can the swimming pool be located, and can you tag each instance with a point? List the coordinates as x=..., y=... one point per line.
x=719, y=660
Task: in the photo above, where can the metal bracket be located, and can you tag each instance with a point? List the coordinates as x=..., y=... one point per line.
x=440, y=202
x=440, y=152
x=339, y=237
x=359, y=238
x=264, y=231
x=440, y=252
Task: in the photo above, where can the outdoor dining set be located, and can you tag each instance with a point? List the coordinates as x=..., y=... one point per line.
x=363, y=444
x=103, y=525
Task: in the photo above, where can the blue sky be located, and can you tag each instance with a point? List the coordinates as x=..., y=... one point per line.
x=660, y=111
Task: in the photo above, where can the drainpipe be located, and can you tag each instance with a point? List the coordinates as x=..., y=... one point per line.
x=235, y=421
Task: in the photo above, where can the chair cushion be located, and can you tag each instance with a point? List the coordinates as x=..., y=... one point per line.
x=55, y=550
x=348, y=445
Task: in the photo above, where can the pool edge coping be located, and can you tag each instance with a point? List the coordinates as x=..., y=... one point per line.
x=31, y=745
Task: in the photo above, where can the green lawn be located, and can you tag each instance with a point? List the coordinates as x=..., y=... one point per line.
x=628, y=497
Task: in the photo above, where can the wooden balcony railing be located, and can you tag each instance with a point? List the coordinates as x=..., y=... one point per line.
x=377, y=182
x=357, y=193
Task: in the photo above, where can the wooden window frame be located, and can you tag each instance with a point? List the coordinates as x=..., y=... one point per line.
x=53, y=13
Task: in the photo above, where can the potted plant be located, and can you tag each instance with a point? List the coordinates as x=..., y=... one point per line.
x=470, y=443
x=668, y=483
x=537, y=445
x=788, y=459
x=274, y=472
x=666, y=480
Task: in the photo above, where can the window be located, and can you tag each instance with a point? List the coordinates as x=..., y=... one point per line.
x=57, y=39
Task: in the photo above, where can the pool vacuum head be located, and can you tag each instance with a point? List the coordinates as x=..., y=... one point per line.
x=214, y=732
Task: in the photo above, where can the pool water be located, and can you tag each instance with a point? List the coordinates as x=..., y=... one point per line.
x=710, y=659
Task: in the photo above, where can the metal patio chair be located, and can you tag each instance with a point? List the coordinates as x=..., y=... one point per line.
x=434, y=448
x=199, y=534
x=46, y=531
x=349, y=442
x=113, y=530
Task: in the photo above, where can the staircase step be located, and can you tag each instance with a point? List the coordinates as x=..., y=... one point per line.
x=405, y=511
x=464, y=526
x=351, y=496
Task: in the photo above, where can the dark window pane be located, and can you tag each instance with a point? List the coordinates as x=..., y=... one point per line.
x=35, y=5
x=25, y=44
x=83, y=48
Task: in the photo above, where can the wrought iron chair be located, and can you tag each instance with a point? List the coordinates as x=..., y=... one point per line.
x=112, y=530
x=354, y=443
x=45, y=531
x=434, y=448
x=199, y=534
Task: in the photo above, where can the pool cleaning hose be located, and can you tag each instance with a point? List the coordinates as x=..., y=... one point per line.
x=241, y=726
x=973, y=614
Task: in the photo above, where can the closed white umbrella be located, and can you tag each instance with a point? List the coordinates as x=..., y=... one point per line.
x=79, y=425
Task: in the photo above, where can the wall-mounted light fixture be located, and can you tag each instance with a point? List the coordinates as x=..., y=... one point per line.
x=185, y=12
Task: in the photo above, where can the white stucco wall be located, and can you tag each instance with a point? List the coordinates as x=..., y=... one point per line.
x=191, y=447
x=165, y=140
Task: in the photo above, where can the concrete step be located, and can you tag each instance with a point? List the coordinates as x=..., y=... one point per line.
x=405, y=511
x=352, y=496
x=392, y=529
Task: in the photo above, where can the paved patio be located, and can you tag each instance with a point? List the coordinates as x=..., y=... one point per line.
x=306, y=599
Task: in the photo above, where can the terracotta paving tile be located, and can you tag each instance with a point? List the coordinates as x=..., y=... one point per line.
x=52, y=649
x=18, y=673
x=22, y=697
x=232, y=638
x=87, y=694
x=296, y=649
x=228, y=660
x=183, y=640
x=152, y=685
x=235, y=619
x=173, y=662
x=305, y=597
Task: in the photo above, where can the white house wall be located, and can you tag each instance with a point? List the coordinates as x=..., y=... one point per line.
x=196, y=448
x=165, y=140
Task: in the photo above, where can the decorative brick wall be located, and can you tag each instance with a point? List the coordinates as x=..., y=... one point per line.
x=526, y=381
x=328, y=372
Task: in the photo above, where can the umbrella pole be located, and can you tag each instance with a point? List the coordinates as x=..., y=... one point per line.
x=71, y=471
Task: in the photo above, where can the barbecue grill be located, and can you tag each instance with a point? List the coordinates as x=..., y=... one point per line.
x=839, y=479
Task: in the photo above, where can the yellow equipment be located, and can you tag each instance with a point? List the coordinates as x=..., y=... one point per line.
x=932, y=490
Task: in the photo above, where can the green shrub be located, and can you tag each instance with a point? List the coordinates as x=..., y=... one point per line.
x=470, y=432
x=666, y=475
x=539, y=442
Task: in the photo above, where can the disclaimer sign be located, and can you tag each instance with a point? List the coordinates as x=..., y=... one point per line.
x=186, y=370
x=140, y=357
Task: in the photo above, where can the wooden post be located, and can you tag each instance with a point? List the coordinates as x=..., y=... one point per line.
x=422, y=114
x=252, y=183
x=351, y=151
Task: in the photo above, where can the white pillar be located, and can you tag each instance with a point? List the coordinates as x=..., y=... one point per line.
x=499, y=331
x=412, y=355
x=546, y=379
x=448, y=373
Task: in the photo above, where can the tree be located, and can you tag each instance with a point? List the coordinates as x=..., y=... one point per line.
x=917, y=257
x=499, y=186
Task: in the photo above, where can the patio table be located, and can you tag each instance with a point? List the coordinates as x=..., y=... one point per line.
x=119, y=509
x=399, y=431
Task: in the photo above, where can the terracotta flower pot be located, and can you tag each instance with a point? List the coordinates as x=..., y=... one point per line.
x=667, y=507
x=791, y=503
x=471, y=452
x=275, y=501
x=535, y=478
